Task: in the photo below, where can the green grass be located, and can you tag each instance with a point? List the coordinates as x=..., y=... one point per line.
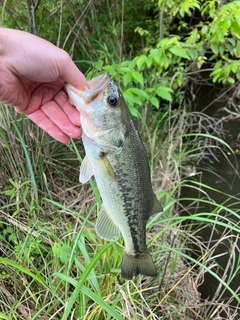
x=53, y=266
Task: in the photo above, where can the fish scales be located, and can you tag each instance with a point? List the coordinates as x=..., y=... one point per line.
x=115, y=155
x=129, y=177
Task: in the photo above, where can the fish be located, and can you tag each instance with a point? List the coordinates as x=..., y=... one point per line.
x=116, y=157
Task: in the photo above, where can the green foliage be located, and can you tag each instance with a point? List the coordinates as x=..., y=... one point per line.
x=179, y=7
x=154, y=78
x=214, y=39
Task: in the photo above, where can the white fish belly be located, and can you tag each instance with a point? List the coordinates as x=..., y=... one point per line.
x=113, y=204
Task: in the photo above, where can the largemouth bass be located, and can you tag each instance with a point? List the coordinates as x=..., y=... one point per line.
x=116, y=157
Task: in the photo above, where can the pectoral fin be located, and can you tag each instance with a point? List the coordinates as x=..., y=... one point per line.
x=85, y=171
x=106, y=165
x=105, y=227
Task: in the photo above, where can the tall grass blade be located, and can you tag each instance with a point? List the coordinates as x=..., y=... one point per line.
x=4, y=316
x=29, y=164
x=14, y=265
x=99, y=301
x=79, y=284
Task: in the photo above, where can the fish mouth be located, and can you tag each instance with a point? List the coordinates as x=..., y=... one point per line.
x=96, y=86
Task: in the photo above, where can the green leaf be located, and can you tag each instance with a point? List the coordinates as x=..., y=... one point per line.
x=232, y=67
x=130, y=101
x=238, y=49
x=8, y=230
x=193, y=53
x=164, y=93
x=235, y=28
x=126, y=79
x=155, y=102
x=137, y=77
x=214, y=48
x=238, y=73
x=16, y=266
x=216, y=75
x=8, y=193
x=127, y=94
x=165, y=61
x=13, y=183
x=98, y=64
x=64, y=253
x=155, y=53
x=134, y=112
x=4, y=316
x=149, y=61
x=124, y=70
x=110, y=70
x=230, y=80
x=133, y=63
x=140, y=62
x=138, y=92
x=221, y=50
x=204, y=31
x=125, y=63
x=180, y=52
x=13, y=238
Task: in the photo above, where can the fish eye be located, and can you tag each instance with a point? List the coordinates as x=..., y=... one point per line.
x=112, y=100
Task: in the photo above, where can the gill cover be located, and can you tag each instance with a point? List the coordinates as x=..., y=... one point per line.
x=101, y=113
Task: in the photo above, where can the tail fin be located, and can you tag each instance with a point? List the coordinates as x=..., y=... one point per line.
x=132, y=266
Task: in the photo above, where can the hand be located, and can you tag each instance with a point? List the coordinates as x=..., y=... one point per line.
x=32, y=75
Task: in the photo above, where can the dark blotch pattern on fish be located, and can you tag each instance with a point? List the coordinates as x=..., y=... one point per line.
x=129, y=176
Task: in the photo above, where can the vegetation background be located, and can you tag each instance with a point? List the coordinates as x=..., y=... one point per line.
x=52, y=265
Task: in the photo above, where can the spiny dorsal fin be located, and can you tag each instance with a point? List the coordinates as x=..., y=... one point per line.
x=105, y=228
x=85, y=171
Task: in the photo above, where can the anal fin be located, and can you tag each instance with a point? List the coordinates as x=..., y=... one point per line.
x=156, y=207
